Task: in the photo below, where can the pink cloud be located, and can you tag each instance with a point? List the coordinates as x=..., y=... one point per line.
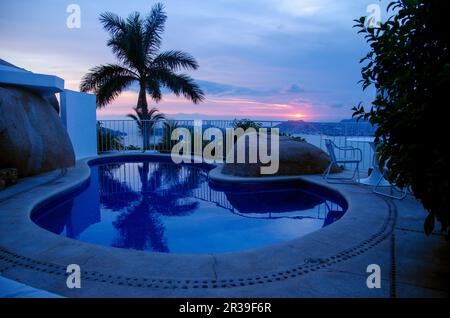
x=218, y=107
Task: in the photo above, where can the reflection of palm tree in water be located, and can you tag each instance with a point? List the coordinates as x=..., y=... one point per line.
x=115, y=195
x=164, y=191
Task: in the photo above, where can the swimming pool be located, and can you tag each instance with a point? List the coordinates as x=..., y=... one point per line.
x=154, y=205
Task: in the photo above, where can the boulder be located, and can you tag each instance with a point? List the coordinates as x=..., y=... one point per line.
x=32, y=136
x=296, y=158
x=51, y=98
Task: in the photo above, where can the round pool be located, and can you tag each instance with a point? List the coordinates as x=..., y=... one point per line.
x=155, y=205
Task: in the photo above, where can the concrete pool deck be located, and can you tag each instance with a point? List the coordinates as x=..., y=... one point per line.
x=330, y=262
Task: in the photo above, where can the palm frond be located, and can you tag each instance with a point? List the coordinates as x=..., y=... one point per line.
x=146, y=120
x=154, y=114
x=181, y=84
x=113, y=23
x=107, y=82
x=98, y=75
x=154, y=27
x=154, y=89
x=121, y=48
x=134, y=20
x=134, y=117
x=128, y=45
x=111, y=90
x=175, y=60
x=137, y=118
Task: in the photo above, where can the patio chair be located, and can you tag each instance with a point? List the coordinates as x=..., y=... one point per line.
x=354, y=159
x=402, y=192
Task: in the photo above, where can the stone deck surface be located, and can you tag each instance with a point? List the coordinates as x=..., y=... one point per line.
x=331, y=262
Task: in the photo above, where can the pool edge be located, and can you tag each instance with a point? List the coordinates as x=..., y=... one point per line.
x=208, y=266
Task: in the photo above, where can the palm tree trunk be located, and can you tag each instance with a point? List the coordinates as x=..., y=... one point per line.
x=144, y=177
x=142, y=100
x=143, y=106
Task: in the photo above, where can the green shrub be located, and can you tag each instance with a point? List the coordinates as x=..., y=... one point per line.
x=245, y=124
x=108, y=140
x=295, y=138
x=409, y=65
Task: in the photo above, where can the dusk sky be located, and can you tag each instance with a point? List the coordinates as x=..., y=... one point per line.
x=262, y=59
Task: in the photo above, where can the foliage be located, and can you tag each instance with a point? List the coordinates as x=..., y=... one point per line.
x=145, y=121
x=108, y=140
x=136, y=42
x=295, y=138
x=245, y=124
x=132, y=147
x=167, y=143
x=409, y=65
x=298, y=138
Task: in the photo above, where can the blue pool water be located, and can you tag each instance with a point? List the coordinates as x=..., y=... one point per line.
x=154, y=205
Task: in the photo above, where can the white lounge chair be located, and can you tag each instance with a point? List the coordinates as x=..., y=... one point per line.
x=402, y=192
x=355, y=159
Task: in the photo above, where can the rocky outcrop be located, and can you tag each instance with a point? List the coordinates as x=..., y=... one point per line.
x=51, y=98
x=53, y=101
x=8, y=177
x=296, y=158
x=32, y=136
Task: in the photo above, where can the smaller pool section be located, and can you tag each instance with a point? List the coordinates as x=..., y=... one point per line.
x=155, y=205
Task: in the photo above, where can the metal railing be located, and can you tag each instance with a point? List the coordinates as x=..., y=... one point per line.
x=125, y=179
x=153, y=135
x=128, y=135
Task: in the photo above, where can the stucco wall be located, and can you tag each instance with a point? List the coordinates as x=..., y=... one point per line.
x=78, y=113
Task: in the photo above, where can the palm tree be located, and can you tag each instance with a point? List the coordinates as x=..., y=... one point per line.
x=146, y=122
x=136, y=42
x=163, y=192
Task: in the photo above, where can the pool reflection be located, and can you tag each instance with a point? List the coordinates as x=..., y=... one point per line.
x=162, y=207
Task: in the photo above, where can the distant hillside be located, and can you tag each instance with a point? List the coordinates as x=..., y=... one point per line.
x=354, y=120
x=347, y=127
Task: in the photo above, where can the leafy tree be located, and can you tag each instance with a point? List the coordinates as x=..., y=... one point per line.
x=136, y=42
x=409, y=65
x=245, y=124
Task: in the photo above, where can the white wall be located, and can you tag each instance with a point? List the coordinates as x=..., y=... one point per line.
x=41, y=83
x=78, y=113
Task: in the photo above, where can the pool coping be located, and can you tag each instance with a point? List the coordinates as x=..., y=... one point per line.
x=39, y=258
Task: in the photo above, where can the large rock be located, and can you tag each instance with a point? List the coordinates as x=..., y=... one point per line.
x=296, y=158
x=32, y=136
x=51, y=98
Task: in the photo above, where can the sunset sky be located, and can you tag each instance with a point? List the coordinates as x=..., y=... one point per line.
x=263, y=59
